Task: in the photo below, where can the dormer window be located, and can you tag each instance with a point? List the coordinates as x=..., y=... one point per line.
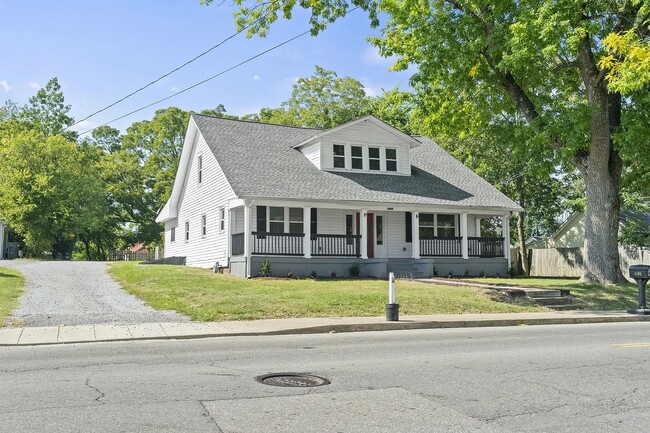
x=339, y=156
x=373, y=159
x=391, y=159
x=199, y=164
x=357, y=157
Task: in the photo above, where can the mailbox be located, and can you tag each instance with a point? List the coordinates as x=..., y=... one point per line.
x=641, y=274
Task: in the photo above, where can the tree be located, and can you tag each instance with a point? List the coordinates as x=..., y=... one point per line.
x=538, y=56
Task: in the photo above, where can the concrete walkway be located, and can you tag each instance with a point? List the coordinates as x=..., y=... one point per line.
x=151, y=331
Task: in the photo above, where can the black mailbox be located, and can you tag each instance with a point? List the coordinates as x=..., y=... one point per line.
x=641, y=274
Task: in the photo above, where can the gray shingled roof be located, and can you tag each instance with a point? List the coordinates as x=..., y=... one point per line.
x=259, y=162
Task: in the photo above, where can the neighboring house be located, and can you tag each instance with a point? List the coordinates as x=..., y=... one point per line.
x=320, y=201
x=138, y=248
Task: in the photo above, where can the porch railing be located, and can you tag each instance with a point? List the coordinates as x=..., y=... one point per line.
x=485, y=247
x=335, y=245
x=286, y=244
x=440, y=246
x=237, y=244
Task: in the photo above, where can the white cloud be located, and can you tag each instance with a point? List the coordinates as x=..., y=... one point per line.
x=84, y=126
x=34, y=85
x=371, y=55
x=256, y=77
x=370, y=92
x=5, y=85
x=174, y=89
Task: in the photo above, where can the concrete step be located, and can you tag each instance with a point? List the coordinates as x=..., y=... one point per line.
x=554, y=300
x=545, y=293
x=567, y=307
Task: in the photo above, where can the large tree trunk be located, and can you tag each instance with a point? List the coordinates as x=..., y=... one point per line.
x=521, y=221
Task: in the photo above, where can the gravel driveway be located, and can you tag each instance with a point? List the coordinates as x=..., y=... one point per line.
x=78, y=293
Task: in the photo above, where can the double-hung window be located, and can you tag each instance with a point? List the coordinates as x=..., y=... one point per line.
x=172, y=235
x=339, y=156
x=199, y=167
x=391, y=159
x=276, y=219
x=187, y=231
x=204, y=225
x=222, y=219
x=357, y=157
x=373, y=158
x=296, y=220
x=446, y=225
x=427, y=225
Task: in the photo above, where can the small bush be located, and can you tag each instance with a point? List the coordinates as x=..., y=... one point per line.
x=290, y=274
x=354, y=270
x=512, y=272
x=313, y=274
x=265, y=269
x=466, y=274
x=333, y=275
x=435, y=272
x=482, y=274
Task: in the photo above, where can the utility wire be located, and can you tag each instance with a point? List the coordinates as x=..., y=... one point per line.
x=200, y=82
x=197, y=84
x=170, y=72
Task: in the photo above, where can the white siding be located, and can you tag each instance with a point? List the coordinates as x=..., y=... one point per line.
x=239, y=220
x=395, y=236
x=197, y=200
x=471, y=226
x=332, y=221
x=312, y=152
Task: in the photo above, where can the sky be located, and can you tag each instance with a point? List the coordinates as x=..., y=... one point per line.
x=102, y=50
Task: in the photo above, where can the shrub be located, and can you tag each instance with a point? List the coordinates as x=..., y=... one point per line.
x=354, y=270
x=435, y=272
x=290, y=274
x=313, y=274
x=265, y=269
x=333, y=275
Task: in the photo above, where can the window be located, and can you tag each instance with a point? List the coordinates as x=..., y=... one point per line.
x=446, y=225
x=314, y=222
x=373, y=158
x=427, y=225
x=349, y=228
x=187, y=231
x=276, y=220
x=380, y=230
x=295, y=220
x=199, y=164
x=261, y=221
x=357, y=157
x=339, y=156
x=204, y=226
x=173, y=234
x=391, y=159
x=222, y=219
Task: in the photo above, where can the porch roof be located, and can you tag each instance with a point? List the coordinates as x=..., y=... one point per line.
x=259, y=162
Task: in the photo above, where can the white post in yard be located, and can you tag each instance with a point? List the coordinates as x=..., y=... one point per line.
x=391, y=288
x=306, y=223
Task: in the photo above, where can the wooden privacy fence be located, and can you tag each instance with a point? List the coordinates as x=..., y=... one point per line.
x=569, y=262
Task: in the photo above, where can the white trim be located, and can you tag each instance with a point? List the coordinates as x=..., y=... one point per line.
x=247, y=238
x=306, y=246
x=222, y=218
x=363, y=228
x=415, y=234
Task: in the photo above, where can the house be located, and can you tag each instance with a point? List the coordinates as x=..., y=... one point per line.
x=320, y=201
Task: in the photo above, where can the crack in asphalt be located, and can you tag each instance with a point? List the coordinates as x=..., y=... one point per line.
x=207, y=413
x=97, y=390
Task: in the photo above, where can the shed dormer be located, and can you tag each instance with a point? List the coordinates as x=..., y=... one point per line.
x=363, y=145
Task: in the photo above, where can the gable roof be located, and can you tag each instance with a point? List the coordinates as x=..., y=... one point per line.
x=259, y=161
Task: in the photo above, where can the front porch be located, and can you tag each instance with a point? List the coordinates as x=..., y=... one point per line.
x=327, y=241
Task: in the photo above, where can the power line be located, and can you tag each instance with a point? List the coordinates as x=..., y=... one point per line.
x=200, y=82
x=168, y=73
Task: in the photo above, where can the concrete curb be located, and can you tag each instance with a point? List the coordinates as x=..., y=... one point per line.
x=195, y=330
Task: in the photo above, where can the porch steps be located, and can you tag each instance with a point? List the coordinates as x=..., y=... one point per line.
x=404, y=269
x=549, y=298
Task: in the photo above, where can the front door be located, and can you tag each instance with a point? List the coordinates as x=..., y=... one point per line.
x=371, y=235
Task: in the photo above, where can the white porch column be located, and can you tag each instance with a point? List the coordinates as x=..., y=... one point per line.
x=463, y=232
x=229, y=236
x=415, y=234
x=363, y=216
x=2, y=241
x=247, y=238
x=506, y=237
x=306, y=223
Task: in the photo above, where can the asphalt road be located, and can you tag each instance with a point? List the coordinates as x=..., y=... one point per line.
x=77, y=293
x=574, y=378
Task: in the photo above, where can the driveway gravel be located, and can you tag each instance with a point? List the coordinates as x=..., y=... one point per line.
x=78, y=293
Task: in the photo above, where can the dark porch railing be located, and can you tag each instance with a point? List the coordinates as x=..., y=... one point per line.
x=485, y=247
x=335, y=245
x=286, y=244
x=237, y=244
x=440, y=246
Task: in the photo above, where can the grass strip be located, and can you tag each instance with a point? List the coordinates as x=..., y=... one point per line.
x=11, y=288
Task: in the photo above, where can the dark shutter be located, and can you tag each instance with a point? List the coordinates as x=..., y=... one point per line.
x=408, y=223
x=314, y=222
x=261, y=219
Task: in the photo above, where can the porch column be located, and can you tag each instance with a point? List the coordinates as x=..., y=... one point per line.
x=363, y=216
x=415, y=234
x=306, y=223
x=247, y=238
x=2, y=241
x=463, y=232
x=506, y=237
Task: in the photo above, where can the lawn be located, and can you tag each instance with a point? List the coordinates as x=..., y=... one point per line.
x=206, y=296
x=589, y=296
x=11, y=287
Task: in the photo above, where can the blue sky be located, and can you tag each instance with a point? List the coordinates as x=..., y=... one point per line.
x=102, y=50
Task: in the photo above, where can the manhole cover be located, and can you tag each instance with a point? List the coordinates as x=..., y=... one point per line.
x=292, y=379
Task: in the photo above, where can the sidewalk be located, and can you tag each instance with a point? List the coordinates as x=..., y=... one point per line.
x=152, y=331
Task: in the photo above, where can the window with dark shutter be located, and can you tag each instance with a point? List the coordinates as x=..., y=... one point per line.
x=261, y=219
x=314, y=222
x=408, y=223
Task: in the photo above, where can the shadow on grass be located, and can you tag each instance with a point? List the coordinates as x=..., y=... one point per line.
x=3, y=275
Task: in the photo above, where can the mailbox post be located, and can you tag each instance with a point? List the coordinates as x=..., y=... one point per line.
x=641, y=274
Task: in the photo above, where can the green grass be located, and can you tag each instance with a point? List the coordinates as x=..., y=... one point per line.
x=206, y=296
x=11, y=287
x=590, y=296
